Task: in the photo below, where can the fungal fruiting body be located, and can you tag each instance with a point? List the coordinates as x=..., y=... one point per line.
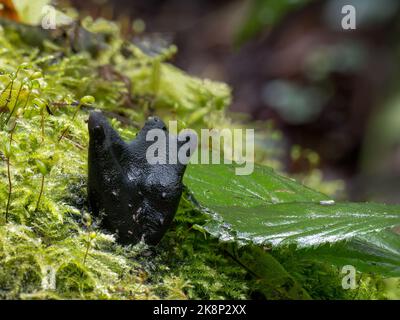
x=135, y=199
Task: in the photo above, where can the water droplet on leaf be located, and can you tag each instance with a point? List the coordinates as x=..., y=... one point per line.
x=327, y=202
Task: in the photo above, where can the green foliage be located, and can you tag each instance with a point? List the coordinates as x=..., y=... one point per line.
x=48, y=247
x=247, y=191
x=269, y=209
x=265, y=13
x=197, y=263
x=283, y=216
x=373, y=253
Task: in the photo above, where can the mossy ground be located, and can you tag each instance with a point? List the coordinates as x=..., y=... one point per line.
x=49, y=247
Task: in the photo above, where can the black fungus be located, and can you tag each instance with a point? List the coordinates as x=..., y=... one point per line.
x=134, y=199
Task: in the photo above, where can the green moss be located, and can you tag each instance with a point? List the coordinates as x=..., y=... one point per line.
x=47, y=247
x=74, y=278
x=20, y=274
x=324, y=281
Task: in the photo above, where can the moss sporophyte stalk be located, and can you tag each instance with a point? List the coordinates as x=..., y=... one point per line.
x=51, y=246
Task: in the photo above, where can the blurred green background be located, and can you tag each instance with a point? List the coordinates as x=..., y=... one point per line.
x=332, y=93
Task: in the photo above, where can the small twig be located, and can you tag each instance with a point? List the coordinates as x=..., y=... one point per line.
x=75, y=144
x=66, y=129
x=63, y=104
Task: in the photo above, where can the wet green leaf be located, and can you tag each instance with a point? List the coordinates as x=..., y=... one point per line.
x=376, y=252
x=217, y=185
x=267, y=209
